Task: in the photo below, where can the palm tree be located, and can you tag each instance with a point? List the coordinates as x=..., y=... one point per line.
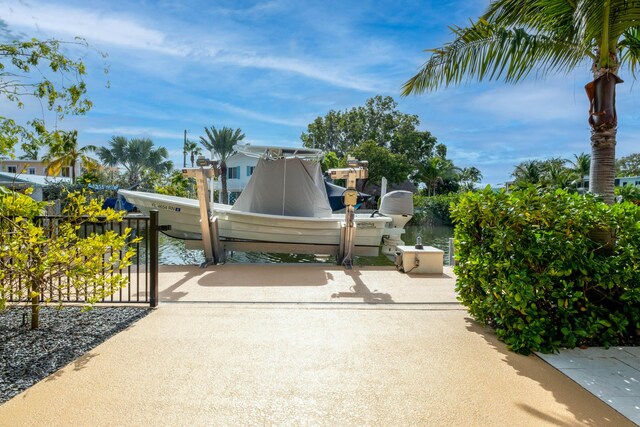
x=555, y=174
x=193, y=149
x=65, y=152
x=581, y=166
x=137, y=156
x=469, y=176
x=221, y=144
x=434, y=171
x=515, y=37
x=528, y=172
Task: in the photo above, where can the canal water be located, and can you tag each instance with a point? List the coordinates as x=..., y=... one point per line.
x=173, y=251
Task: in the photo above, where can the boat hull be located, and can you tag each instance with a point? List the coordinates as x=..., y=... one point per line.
x=184, y=217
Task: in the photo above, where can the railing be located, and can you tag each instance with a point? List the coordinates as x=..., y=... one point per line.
x=141, y=274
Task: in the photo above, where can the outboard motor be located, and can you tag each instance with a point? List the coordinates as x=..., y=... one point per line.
x=398, y=205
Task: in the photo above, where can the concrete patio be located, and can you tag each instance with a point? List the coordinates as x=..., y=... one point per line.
x=306, y=345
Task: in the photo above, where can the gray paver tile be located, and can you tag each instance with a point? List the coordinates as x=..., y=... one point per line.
x=606, y=382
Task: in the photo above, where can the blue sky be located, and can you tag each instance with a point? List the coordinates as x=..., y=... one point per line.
x=271, y=67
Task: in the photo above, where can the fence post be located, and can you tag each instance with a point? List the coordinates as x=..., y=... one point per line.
x=452, y=249
x=153, y=257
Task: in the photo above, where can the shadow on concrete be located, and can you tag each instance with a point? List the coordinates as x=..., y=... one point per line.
x=430, y=276
x=361, y=291
x=562, y=387
x=264, y=275
x=171, y=293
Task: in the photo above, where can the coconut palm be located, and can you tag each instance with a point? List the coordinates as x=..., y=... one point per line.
x=64, y=151
x=137, y=156
x=221, y=143
x=515, y=37
x=581, y=166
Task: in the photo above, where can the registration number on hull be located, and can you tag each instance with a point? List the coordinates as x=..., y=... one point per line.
x=165, y=207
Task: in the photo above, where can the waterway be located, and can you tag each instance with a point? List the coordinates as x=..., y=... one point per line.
x=173, y=251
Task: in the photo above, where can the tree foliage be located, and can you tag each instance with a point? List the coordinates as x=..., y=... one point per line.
x=391, y=142
x=40, y=260
x=64, y=151
x=341, y=131
x=517, y=37
x=628, y=165
x=526, y=266
x=39, y=69
x=139, y=157
x=221, y=143
x=382, y=162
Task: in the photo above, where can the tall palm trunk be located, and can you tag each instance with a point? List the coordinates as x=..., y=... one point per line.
x=223, y=177
x=603, y=161
x=604, y=125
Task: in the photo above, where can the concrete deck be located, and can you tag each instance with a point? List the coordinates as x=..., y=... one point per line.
x=306, y=345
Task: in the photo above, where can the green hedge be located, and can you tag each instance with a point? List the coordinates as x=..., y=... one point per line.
x=433, y=210
x=527, y=267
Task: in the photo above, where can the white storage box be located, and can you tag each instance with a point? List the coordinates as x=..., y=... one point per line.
x=428, y=260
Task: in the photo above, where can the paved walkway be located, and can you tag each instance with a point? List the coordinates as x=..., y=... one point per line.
x=314, y=349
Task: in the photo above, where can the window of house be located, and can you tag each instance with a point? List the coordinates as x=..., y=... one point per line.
x=31, y=171
x=233, y=173
x=66, y=171
x=12, y=169
x=250, y=170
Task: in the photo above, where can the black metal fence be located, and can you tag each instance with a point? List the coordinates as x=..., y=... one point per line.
x=141, y=274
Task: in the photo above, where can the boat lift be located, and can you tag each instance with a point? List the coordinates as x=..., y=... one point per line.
x=213, y=253
x=215, y=249
x=355, y=170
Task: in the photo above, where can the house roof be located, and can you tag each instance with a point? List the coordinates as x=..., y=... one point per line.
x=9, y=179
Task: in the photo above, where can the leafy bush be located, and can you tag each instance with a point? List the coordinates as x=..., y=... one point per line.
x=433, y=210
x=527, y=267
x=629, y=193
x=41, y=259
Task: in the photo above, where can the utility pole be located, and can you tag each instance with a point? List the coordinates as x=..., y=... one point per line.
x=184, y=149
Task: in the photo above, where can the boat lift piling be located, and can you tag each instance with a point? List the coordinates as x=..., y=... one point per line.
x=356, y=170
x=213, y=253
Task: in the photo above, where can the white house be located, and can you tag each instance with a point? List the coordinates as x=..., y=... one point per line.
x=239, y=169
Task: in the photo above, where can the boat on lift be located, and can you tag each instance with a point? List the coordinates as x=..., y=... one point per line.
x=284, y=208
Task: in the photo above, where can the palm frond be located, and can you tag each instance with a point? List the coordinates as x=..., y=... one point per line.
x=488, y=51
x=630, y=49
x=590, y=17
x=540, y=16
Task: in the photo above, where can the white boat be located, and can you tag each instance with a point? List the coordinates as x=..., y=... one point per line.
x=285, y=202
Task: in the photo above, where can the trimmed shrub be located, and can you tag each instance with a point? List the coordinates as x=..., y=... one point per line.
x=527, y=267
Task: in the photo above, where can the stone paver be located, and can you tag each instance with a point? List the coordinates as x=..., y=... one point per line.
x=611, y=374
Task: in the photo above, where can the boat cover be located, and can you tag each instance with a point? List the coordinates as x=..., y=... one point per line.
x=290, y=187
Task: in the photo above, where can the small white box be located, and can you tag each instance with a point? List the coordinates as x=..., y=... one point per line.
x=428, y=260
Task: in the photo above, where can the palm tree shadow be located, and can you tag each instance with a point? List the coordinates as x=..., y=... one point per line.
x=360, y=290
x=545, y=375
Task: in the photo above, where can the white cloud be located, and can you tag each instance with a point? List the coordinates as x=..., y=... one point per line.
x=135, y=132
x=118, y=30
x=243, y=112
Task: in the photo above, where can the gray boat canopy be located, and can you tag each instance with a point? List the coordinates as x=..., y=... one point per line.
x=287, y=186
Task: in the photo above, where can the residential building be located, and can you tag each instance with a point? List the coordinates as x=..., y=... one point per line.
x=35, y=167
